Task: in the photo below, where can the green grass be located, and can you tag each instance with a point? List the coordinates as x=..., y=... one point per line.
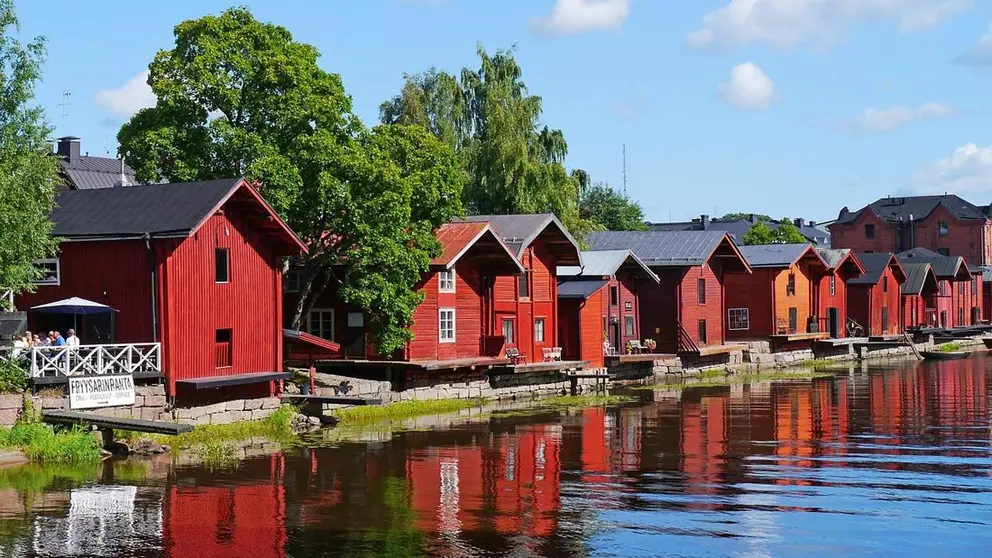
x=217, y=455
x=749, y=378
x=948, y=347
x=275, y=427
x=403, y=410
x=712, y=373
x=574, y=401
x=40, y=443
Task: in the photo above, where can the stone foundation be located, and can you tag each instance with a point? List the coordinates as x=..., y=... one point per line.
x=150, y=403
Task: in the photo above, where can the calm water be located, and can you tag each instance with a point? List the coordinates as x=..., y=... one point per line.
x=893, y=462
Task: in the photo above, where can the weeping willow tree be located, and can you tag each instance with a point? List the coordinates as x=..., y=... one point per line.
x=511, y=162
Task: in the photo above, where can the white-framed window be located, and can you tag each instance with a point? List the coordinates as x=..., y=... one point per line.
x=739, y=319
x=539, y=330
x=48, y=272
x=446, y=325
x=508, y=330
x=833, y=285
x=292, y=280
x=446, y=281
x=320, y=322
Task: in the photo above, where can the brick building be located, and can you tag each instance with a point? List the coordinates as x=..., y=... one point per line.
x=945, y=224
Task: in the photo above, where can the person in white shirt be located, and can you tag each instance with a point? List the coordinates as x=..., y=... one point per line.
x=70, y=338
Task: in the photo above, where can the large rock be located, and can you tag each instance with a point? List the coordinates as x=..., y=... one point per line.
x=11, y=401
x=221, y=418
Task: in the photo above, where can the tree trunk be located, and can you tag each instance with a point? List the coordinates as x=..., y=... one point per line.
x=310, y=291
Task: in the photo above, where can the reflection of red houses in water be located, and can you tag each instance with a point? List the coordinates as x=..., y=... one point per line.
x=227, y=521
x=704, y=439
x=451, y=485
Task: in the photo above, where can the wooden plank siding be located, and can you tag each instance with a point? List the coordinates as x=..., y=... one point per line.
x=467, y=301
x=676, y=298
x=867, y=303
x=837, y=300
x=766, y=295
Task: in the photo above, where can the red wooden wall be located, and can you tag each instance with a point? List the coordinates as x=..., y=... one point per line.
x=467, y=300
x=542, y=303
x=755, y=292
x=114, y=273
x=865, y=304
x=195, y=306
x=676, y=298
x=826, y=301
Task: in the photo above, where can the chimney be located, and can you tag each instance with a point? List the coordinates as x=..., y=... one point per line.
x=68, y=147
x=705, y=221
x=812, y=223
x=799, y=222
x=123, y=178
x=753, y=218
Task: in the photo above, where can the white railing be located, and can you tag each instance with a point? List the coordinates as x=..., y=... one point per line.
x=87, y=360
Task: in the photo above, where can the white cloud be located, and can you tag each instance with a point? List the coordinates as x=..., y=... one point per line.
x=574, y=17
x=968, y=173
x=129, y=98
x=748, y=88
x=980, y=54
x=789, y=23
x=888, y=119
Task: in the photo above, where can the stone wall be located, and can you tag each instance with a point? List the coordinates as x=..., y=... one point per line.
x=150, y=403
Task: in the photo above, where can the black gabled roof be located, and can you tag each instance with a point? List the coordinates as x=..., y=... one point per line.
x=88, y=173
x=521, y=230
x=944, y=267
x=896, y=209
x=660, y=248
x=874, y=264
x=737, y=229
x=580, y=289
x=157, y=209
x=916, y=277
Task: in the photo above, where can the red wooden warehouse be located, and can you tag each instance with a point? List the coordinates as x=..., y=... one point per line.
x=457, y=320
x=779, y=297
x=685, y=311
x=831, y=299
x=919, y=295
x=526, y=306
x=598, y=304
x=874, y=300
x=959, y=296
x=193, y=266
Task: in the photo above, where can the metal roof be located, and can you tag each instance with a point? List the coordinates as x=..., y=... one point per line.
x=874, y=264
x=916, y=277
x=604, y=263
x=776, y=255
x=896, y=209
x=737, y=229
x=519, y=231
x=944, y=267
x=458, y=238
x=657, y=248
x=87, y=173
x=581, y=289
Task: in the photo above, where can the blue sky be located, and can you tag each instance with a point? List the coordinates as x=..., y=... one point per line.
x=786, y=107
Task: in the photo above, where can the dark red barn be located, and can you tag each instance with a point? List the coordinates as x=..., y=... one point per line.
x=831, y=290
x=686, y=310
x=598, y=304
x=959, y=297
x=194, y=266
x=874, y=300
x=919, y=295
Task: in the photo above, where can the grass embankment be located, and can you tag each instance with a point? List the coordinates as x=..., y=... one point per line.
x=726, y=380
x=275, y=427
x=40, y=443
x=571, y=401
x=817, y=363
x=948, y=347
x=403, y=410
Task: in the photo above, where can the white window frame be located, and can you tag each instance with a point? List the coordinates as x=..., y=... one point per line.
x=446, y=281
x=450, y=337
x=832, y=284
x=544, y=326
x=58, y=272
x=319, y=333
x=747, y=319
x=512, y=339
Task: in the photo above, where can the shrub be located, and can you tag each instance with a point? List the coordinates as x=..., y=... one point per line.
x=13, y=378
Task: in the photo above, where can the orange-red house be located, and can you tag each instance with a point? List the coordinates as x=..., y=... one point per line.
x=959, y=297
x=779, y=296
x=831, y=300
x=599, y=303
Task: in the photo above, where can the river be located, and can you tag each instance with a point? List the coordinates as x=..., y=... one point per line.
x=886, y=461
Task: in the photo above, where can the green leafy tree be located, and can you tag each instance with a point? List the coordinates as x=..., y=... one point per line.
x=787, y=233
x=239, y=97
x=744, y=217
x=511, y=162
x=611, y=209
x=28, y=173
x=759, y=233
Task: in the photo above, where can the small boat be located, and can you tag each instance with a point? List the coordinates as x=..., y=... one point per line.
x=988, y=342
x=943, y=355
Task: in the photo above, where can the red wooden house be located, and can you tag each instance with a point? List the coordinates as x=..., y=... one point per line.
x=598, y=303
x=685, y=311
x=526, y=305
x=778, y=297
x=457, y=319
x=874, y=300
x=831, y=291
x=194, y=266
x=919, y=295
x=959, y=297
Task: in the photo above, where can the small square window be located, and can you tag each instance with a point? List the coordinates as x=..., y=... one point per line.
x=539, y=330
x=446, y=281
x=221, y=265
x=628, y=306
x=739, y=319
x=942, y=228
x=320, y=323
x=870, y=231
x=946, y=252
x=47, y=272
x=446, y=325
